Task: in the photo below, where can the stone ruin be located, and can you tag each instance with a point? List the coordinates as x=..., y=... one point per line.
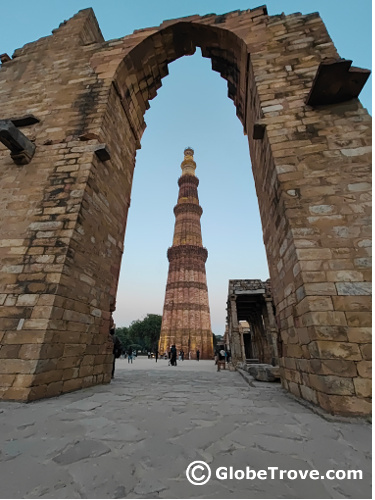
x=251, y=333
x=72, y=118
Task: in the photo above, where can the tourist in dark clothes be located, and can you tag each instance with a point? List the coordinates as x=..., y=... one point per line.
x=173, y=355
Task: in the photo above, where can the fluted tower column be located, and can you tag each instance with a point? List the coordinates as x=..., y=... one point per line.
x=186, y=315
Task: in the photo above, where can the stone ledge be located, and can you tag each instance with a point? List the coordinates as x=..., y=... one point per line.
x=245, y=375
x=264, y=372
x=325, y=414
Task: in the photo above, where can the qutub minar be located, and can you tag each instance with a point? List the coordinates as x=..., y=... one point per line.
x=186, y=315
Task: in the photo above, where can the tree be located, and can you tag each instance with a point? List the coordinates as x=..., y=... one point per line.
x=217, y=339
x=145, y=332
x=122, y=334
x=151, y=328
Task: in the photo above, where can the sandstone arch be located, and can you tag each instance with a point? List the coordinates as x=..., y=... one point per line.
x=66, y=209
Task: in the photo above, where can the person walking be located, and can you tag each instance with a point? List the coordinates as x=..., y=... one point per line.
x=198, y=354
x=216, y=357
x=130, y=355
x=156, y=355
x=228, y=355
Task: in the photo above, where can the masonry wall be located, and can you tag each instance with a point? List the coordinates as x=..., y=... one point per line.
x=64, y=214
x=58, y=260
x=312, y=173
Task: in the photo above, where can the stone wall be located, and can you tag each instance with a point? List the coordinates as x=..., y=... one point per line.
x=64, y=214
x=312, y=172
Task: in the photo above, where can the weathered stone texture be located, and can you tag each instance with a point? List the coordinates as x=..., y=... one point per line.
x=250, y=301
x=63, y=215
x=186, y=319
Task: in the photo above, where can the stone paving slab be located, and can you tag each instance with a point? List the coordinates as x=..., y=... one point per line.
x=135, y=438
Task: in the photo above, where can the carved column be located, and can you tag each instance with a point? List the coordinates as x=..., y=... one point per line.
x=270, y=322
x=237, y=348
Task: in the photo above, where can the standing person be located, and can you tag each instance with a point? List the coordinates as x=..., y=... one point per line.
x=216, y=357
x=173, y=355
x=156, y=355
x=228, y=355
x=182, y=355
x=220, y=359
x=198, y=353
x=117, y=349
x=130, y=355
x=149, y=354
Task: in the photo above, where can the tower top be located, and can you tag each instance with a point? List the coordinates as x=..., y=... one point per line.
x=188, y=165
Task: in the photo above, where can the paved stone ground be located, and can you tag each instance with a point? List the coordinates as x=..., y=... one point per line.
x=136, y=437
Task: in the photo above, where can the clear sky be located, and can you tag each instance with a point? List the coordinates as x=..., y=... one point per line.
x=191, y=109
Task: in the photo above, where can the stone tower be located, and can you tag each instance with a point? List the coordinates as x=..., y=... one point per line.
x=186, y=315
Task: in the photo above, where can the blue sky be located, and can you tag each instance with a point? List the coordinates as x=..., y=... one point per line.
x=191, y=109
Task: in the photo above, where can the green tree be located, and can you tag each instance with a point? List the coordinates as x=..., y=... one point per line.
x=217, y=339
x=123, y=335
x=136, y=334
x=146, y=332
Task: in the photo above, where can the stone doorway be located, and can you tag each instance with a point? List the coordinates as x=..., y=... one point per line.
x=310, y=142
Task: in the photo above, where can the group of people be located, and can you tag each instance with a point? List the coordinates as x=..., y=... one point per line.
x=172, y=355
x=156, y=353
x=222, y=356
x=131, y=354
x=119, y=350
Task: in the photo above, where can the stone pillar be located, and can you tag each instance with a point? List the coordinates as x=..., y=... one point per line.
x=61, y=234
x=271, y=328
x=261, y=337
x=312, y=165
x=237, y=348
